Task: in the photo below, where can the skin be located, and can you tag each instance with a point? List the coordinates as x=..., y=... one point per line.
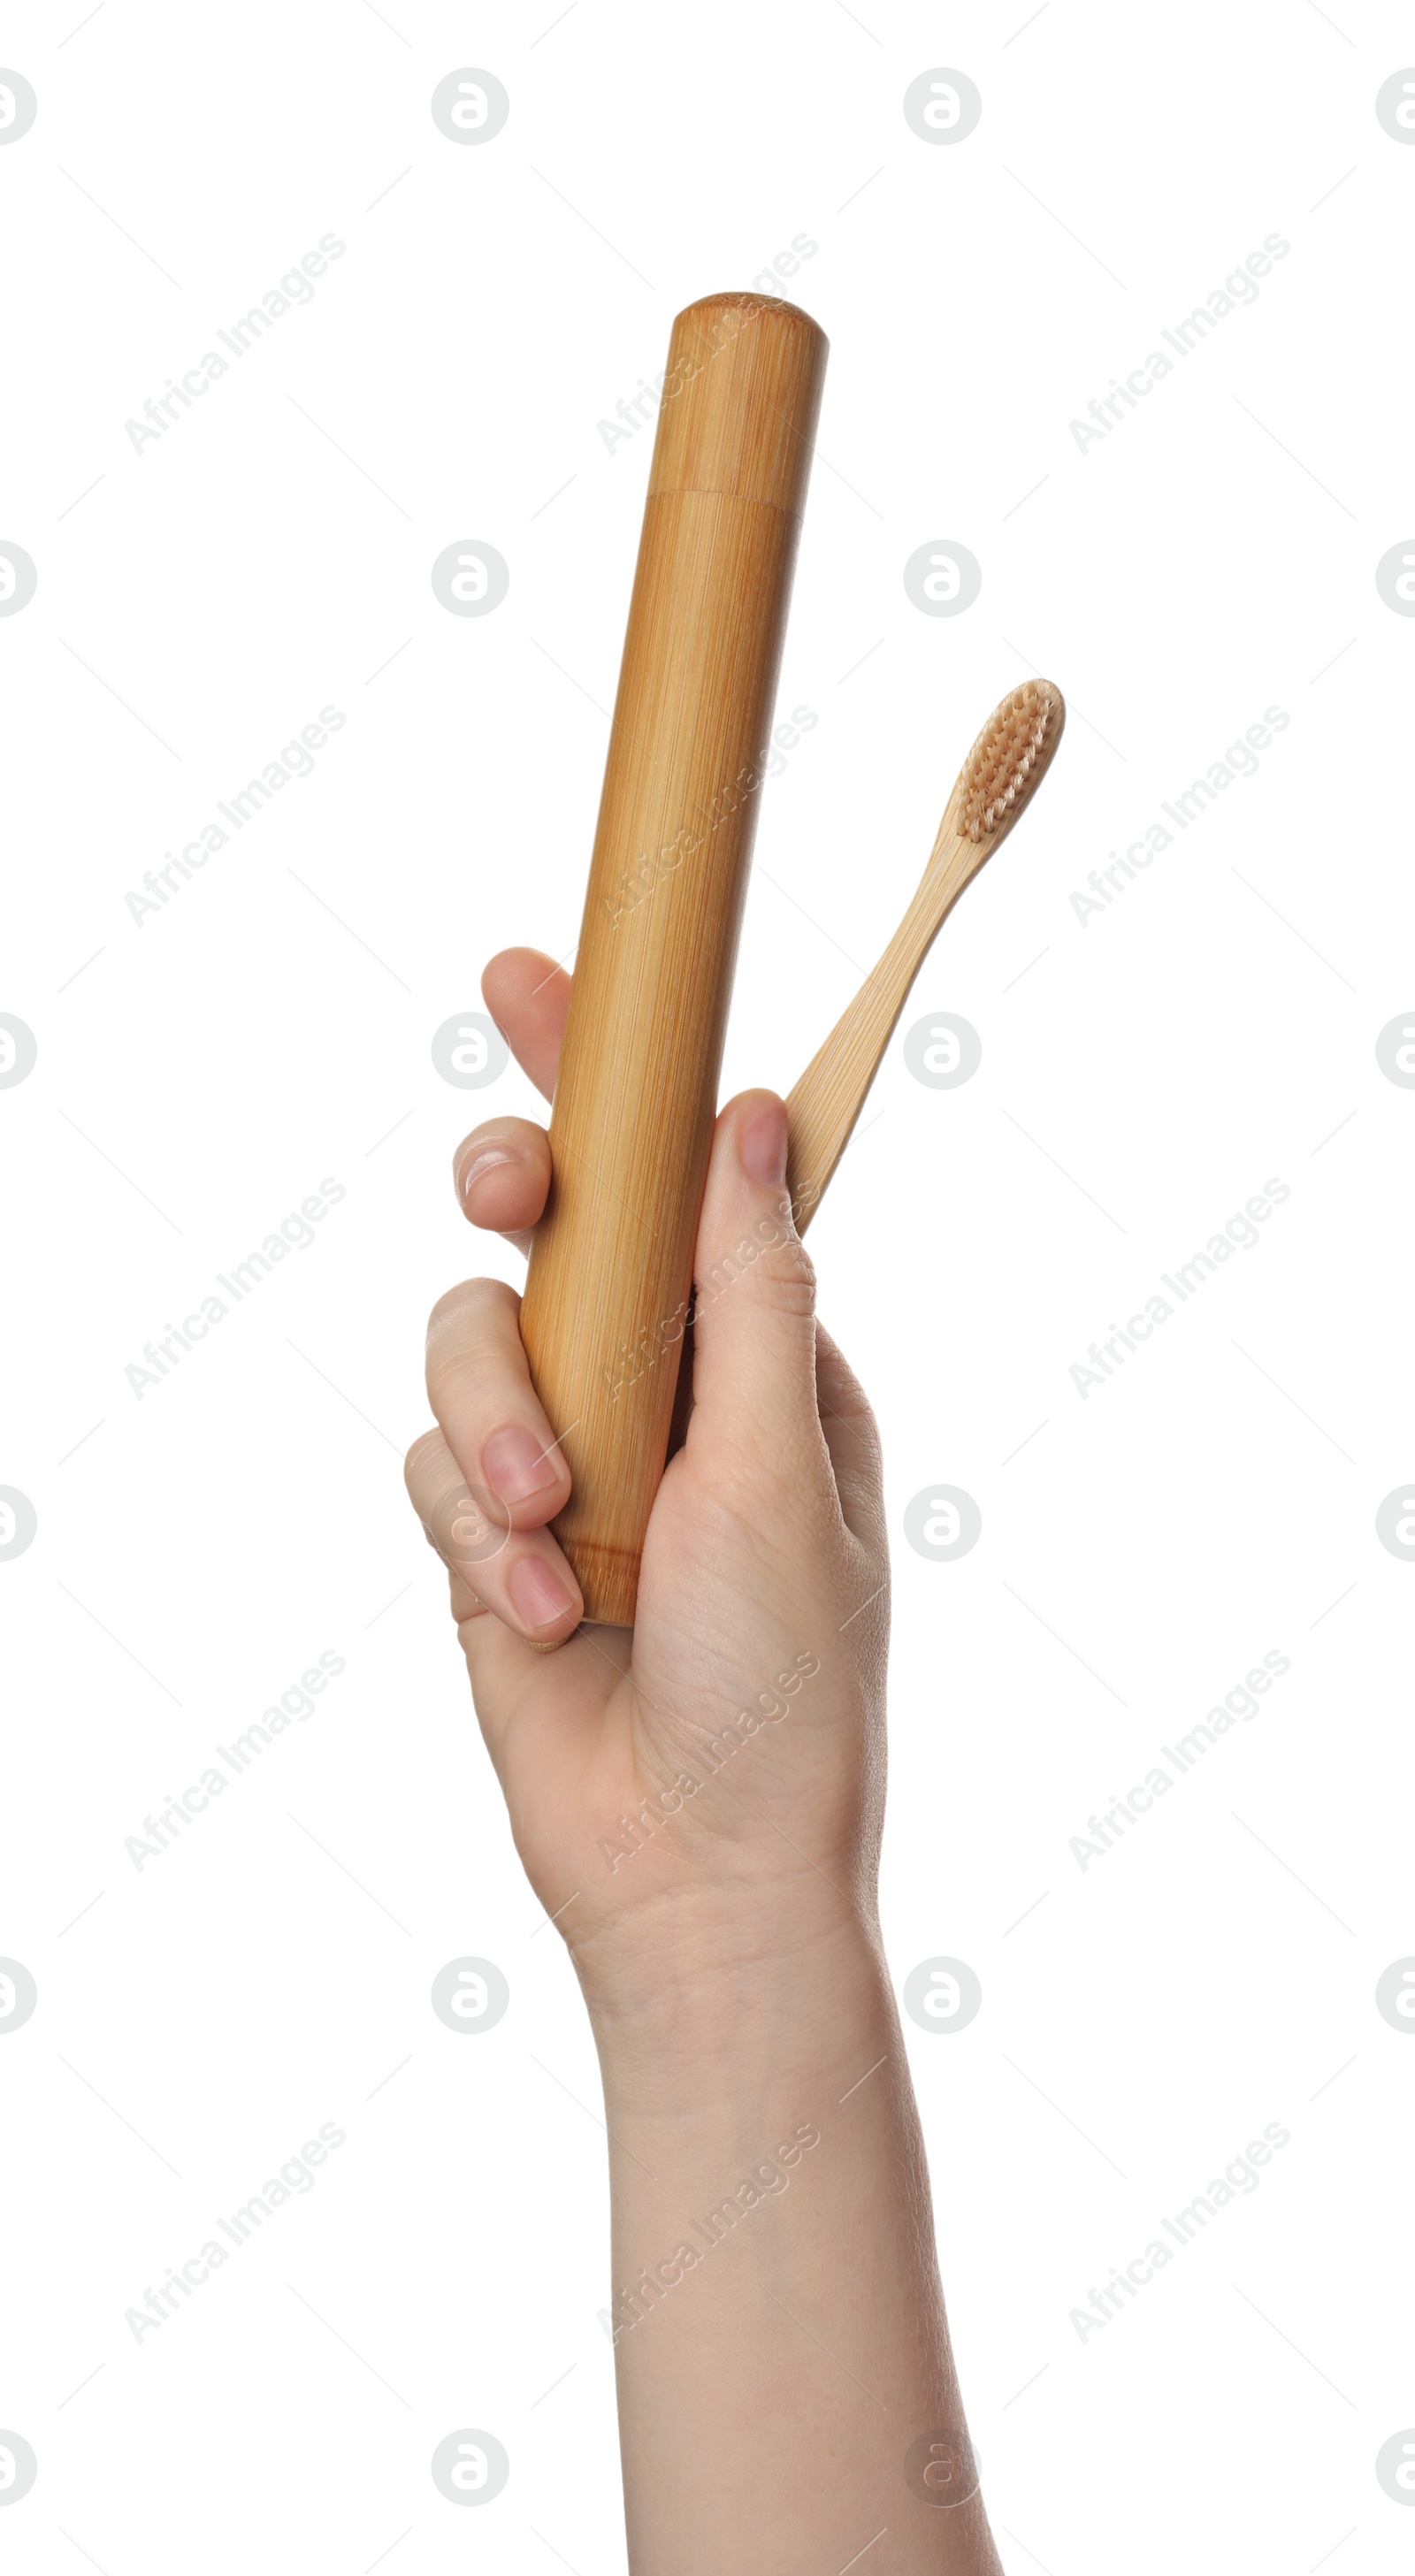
x=787, y=2397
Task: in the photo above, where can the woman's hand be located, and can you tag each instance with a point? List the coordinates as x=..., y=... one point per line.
x=725, y=1757
x=698, y=1804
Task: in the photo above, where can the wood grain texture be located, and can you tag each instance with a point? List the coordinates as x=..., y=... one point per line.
x=611, y=1262
x=1000, y=776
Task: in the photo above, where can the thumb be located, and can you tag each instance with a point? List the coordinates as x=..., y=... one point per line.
x=754, y=1334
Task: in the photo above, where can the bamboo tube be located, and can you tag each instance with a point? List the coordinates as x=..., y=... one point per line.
x=611, y=1263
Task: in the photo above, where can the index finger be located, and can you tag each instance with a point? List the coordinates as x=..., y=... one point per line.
x=528, y=996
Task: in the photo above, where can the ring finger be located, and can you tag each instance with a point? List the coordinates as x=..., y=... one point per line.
x=519, y=1575
x=487, y=1484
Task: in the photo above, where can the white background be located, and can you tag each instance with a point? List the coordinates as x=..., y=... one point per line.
x=1142, y=1075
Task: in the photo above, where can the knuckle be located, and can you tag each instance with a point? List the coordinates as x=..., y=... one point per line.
x=785, y=1276
x=459, y=1384
x=462, y=1601
x=420, y=1458
x=774, y=1259
x=472, y=1308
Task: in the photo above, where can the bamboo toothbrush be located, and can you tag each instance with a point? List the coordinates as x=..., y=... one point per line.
x=998, y=779
x=605, y=1311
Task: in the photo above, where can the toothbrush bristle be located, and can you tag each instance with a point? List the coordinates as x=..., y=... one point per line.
x=1009, y=757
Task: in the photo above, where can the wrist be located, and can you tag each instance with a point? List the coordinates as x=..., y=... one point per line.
x=751, y=1996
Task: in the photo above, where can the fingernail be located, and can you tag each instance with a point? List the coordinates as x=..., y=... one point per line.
x=480, y=1163
x=537, y=1595
x=516, y=1465
x=763, y=1144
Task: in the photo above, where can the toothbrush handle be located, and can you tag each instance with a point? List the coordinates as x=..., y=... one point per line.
x=826, y=1102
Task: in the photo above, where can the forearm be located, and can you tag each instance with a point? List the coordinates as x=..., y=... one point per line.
x=785, y=2379
x=787, y=2398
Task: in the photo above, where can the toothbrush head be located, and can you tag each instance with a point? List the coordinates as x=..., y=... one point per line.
x=1009, y=757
